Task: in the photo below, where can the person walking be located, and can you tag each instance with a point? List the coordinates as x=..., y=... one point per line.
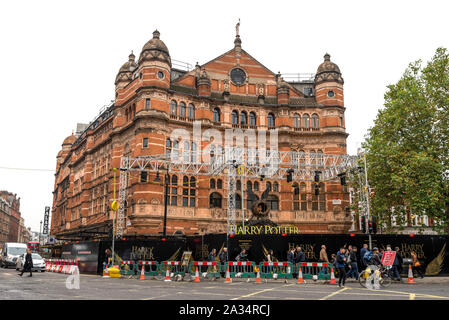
x=291, y=256
x=363, y=251
x=223, y=257
x=299, y=255
x=394, y=273
x=416, y=265
x=341, y=265
x=28, y=265
x=400, y=259
x=353, y=266
x=242, y=256
x=324, y=258
x=212, y=255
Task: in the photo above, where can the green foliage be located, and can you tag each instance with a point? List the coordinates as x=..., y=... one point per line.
x=407, y=148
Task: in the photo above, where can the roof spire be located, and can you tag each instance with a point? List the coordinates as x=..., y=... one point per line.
x=237, y=41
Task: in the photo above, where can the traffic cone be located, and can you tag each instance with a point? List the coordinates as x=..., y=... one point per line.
x=300, y=279
x=167, y=276
x=332, y=276
x=228, y=276
x=197, y=276
x=410, y=274
x=142, y=274
x=105, y=273
x=258, y=277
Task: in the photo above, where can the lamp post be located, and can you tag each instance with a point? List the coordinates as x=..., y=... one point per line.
x=166, y=182
x=40, y=232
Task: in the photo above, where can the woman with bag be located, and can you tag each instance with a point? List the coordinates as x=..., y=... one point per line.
x=416, y=266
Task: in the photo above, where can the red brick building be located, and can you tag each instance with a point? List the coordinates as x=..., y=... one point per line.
x=233, y=90
x=10, y=230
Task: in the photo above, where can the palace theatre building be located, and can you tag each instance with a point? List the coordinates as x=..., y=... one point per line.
x=233, y=90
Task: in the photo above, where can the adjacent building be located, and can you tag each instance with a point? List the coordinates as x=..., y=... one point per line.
x=10, y=218
x=234, y=90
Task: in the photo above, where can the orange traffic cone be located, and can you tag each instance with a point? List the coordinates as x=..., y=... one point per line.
x=258, y=277
x=142, y=274
x=228, y=276
x=167, y=276
x=410, y=274
x=197, y=276
x=300, y=279
x=105, y=273
x=332, y=276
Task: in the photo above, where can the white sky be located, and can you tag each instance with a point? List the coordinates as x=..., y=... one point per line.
x=58, y=61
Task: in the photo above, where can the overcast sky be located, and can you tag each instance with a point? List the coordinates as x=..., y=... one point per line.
x=59, y=59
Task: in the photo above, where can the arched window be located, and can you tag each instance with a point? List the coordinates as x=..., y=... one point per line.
x=256, y=186
x=175, y=150
x=235, y=117
x=295, y=196
x=173, y=107
x=182, y=109
x=219, y=184
x=269, y=185
x=238, y=201
x=216, y=115
x=188, y=191
x=319, y=202
x=276, y=187
x=250, y=203
x=167, y=146
x=191, y=111
x=212, y=184
x=193, y=152
x=306, y=121
x=173, y=197
x=252, y=119
x=244, y=118
x=215, y=200
x=249, y=185
x=192, y=193
x=315, y=121
x=186, y=151
x=297, y=121
x=273, y=202
x=238, y=185
x=303, y=196
x=271, y=120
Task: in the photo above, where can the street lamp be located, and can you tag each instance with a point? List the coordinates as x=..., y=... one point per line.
x=166, y=182
x=40, y=228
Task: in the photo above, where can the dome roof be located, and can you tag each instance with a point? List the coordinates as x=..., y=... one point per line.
x=328, y=71
x=69, y=140
x=126, y=70
x=155, y=49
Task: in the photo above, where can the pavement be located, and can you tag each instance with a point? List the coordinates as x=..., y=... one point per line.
x=52, y=286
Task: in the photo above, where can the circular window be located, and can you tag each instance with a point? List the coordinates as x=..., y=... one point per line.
x=330, y=94
x=238, y=76
x=160, y=74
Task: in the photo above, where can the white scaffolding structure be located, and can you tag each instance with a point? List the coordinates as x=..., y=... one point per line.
x=234, y=162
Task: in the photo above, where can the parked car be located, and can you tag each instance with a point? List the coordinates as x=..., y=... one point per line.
x=11, y=251
x=38, y=262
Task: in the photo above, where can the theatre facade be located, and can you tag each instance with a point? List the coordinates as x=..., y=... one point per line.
x=232, y=91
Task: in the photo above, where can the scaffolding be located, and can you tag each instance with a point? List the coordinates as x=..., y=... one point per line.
x=234, y=162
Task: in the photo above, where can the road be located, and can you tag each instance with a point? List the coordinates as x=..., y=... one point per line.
x=52, y=286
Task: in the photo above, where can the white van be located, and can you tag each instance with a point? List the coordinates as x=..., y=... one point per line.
x=11, y=251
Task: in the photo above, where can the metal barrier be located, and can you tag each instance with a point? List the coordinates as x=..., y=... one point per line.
x=128, y=268
x=210, y=269
x=174, y=267
x=320, y=269
x=150, y=268
x=276, y=270
x=241, y=269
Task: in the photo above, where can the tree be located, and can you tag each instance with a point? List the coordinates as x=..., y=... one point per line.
x=407, y=148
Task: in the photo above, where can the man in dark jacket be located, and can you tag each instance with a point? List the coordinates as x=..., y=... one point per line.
x=394, y=268
x=291, y=256
x=400, y=259
x=212, y=255
x=299, y=255
x=341, y=265
x=223, y=256
x=362, y=254
x=353, y=266
x=28, y=265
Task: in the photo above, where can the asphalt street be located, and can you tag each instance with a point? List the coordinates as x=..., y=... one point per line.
x=52, y=286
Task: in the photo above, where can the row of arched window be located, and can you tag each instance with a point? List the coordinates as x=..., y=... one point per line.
x=182, y=110
x=216, y=201
x=307, y=122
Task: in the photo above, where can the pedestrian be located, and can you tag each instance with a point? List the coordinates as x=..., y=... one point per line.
x=341, y=266
x=353, y=266
x=291, y=256
x=394, y=273
x=299, y=255
x=212, y=255
x=28, y=265
x=223, y=257
x=416, y=265
x=363, y=251
x=400, y=259
x=270, y=256
x=324, y=258
x=107, y=258
x=242, y=256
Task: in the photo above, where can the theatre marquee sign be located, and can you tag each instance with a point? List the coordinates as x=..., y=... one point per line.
x=263, y=229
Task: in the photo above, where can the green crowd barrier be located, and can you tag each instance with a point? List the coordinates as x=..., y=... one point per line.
x=241, y=269
x=320, y=269
x=128, y=268
x=211, y=269
x=276, y=270
x=150, y=268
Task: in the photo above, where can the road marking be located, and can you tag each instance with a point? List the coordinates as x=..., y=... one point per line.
x=419, y=295
x=252, y=294
x=156, y=297
x=412, y=296
x=333, y=294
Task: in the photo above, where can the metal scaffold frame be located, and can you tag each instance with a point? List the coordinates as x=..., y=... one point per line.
x=233, y=162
